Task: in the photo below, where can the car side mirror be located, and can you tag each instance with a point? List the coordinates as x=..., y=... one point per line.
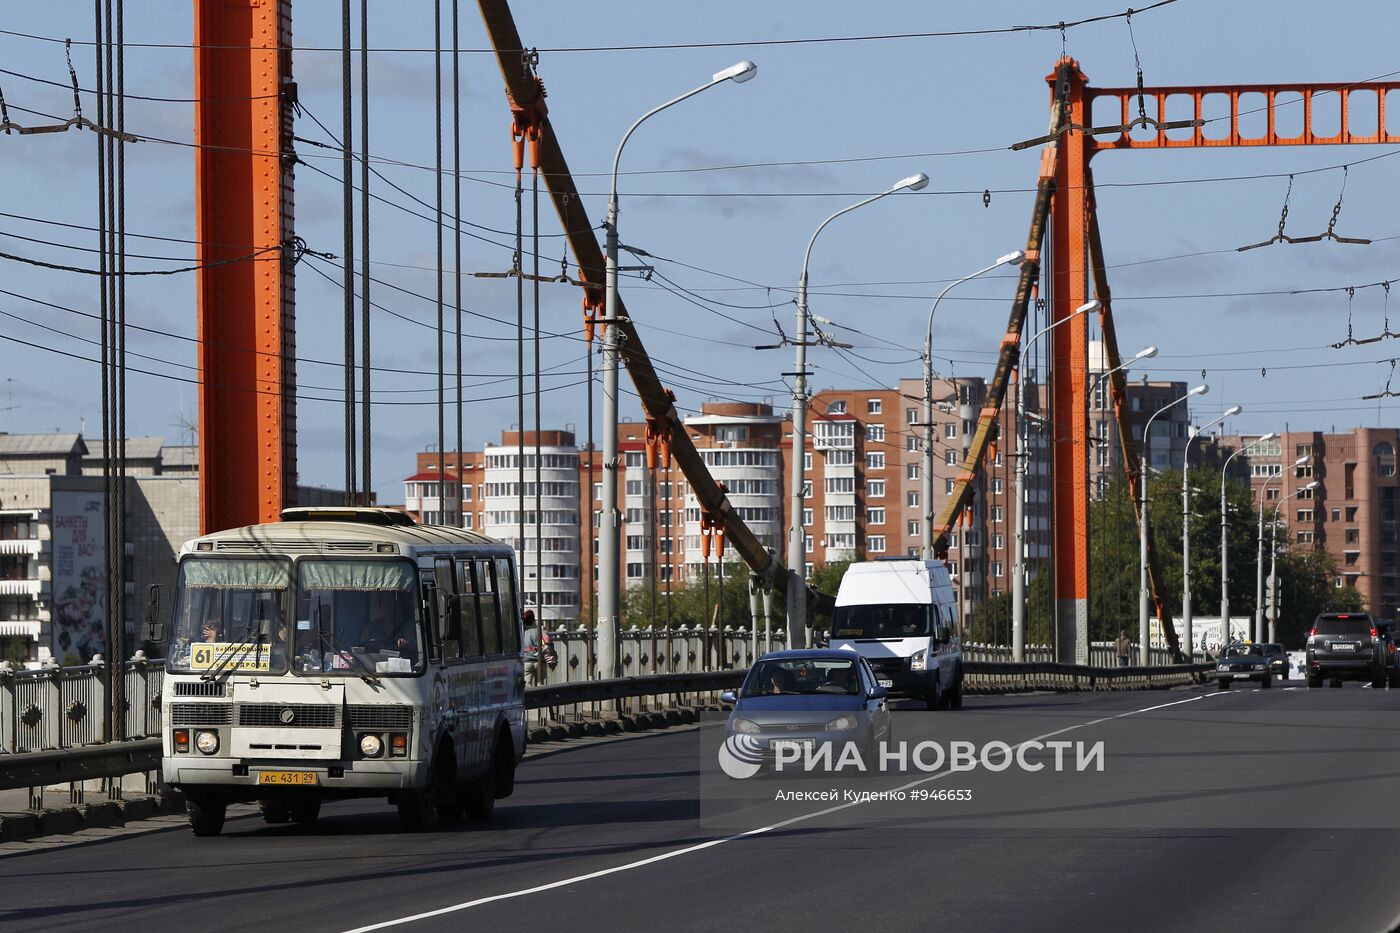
x=878, y=693
x=155, y=625
x=728, y=696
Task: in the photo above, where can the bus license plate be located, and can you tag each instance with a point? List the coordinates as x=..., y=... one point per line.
x=287, y=777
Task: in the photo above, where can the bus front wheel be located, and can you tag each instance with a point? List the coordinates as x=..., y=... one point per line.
x=206, y=815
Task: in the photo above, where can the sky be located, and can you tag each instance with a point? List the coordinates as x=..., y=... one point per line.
x=847, y=119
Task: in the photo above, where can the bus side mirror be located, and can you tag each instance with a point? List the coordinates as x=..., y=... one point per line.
x=155, y=626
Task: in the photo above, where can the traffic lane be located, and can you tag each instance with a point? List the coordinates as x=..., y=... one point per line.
x=579, y=810
x=598, y=802
x=1037, y=879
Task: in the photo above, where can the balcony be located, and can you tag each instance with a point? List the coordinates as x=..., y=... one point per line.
x=31, y=588
x=32, y=547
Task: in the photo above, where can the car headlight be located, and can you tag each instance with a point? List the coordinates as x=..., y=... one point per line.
x=1258, y=667
x=207, y=742
x=841, y=724
x=746, y=726
x=370, y=746
x=917, y=660
x=1223, y=667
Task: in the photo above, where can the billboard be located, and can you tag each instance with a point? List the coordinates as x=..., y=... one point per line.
x=79, y=576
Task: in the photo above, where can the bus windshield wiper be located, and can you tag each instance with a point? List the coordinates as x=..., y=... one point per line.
x=234, y=650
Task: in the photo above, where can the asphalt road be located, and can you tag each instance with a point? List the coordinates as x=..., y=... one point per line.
x=1200, y=818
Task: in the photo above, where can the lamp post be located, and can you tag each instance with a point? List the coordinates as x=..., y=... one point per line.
x=1010, y=258
x=1143, y=631
x=1225, y=531
x=1273, y=559
x=797, y=535
x=1018, y=573
x=1259, y=557
x=1186, y=526
x=609, y=576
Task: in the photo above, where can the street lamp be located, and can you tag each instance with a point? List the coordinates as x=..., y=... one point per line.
x=1012, y=258
x=1273, y=557
x=1143, y=631
x=1224, y=532
x=609, y=576
x=1143, y=354
x=1186, y=526
x=797, y=536
x=1018, y=573
x=1259, y=557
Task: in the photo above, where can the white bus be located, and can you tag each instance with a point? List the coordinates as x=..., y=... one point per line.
x=342, y=653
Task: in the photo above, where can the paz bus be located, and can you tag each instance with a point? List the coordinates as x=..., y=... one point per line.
x=341, y=653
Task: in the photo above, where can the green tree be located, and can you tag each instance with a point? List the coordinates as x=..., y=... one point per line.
x=691, y=602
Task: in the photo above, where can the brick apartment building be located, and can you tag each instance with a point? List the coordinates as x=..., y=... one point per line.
x=1351, y=514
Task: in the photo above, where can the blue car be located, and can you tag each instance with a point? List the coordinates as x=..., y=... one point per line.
x=806, y=698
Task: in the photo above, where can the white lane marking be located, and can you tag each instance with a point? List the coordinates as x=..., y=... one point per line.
x=711, y=843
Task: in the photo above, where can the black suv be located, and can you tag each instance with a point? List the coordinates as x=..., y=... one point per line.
x=1346, y=646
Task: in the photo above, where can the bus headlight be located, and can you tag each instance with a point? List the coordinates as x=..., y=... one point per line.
x=207, y=742
x=370, y=746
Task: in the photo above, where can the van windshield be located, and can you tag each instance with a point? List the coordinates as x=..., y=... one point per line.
x=890, y=620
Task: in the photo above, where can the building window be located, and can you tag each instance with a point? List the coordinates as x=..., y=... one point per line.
x=997, y=487
x=996, y=568
x=1305, y=537
x=1305, y=494
x=732, y=433
x=807, y=461
x=807, y=489
x=635, y=458
x=875, y=488
x=998, y=542
x=875, y=433
x=950, y=457
x=1353, y=536
x=1271, y=494
x=466, y=520
x=950, y=430
x=911, y=471
x=1385, y=458
x=872, y=406
x=837, y=407
x=875, y=516
x=808, y=546
x=840, y=513
x=806, y=517
x=948, y=485
x=1336, y=515
x=1305, y=515
x=1306, y=471
x=911, y=442
x=635, y=571
x=997, y=513
x=875, y=544
x=875, y=461
x=598, y=492
x=841, y=458
x=911, y=499
x=911, y=416
x=912, y=528
x=1304, y=450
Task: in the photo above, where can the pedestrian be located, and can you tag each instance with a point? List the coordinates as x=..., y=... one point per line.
x=1124, y=646
x=531, y=647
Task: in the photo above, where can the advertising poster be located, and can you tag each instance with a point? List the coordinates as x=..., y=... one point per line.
x=79, y=569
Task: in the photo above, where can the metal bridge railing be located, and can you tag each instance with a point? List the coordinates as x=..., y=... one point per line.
x=53, y=708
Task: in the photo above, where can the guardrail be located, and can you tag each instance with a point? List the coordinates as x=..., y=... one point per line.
x=52, y=717
x=52, y=708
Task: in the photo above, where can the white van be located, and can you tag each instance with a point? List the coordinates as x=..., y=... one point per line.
x=900, y=614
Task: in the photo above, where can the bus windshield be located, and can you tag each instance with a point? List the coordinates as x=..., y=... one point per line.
x=890, y=620
x=357, y=616
x=231, y=614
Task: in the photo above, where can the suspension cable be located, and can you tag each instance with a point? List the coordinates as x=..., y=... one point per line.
x=347, y=192
x=441, y=378
x=459, y=519
x=366, y=484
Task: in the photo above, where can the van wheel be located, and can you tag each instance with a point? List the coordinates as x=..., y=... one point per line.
x=274, y=811
x=955, y=697
x=206, y=815
x=305, y=812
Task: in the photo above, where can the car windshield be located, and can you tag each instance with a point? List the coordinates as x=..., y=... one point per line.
x=1241, y=651
x=1343, y=625
x=890, y=620
x=230, y=614
x=357, y=616
x=803, y=676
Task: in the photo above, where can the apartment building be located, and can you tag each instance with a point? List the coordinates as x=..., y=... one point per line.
x=1351, y=514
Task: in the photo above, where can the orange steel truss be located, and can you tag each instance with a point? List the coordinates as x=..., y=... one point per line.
x=1065, y=212
x=243, y=208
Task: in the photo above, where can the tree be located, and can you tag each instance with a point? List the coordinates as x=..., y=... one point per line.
x=692, y=602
